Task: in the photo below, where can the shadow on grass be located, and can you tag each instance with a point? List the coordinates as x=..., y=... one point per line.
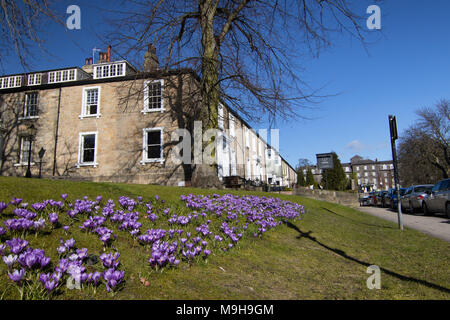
x=356, y=221
x=308, y=235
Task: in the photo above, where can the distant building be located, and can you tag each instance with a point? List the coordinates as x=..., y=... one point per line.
x=371, y=175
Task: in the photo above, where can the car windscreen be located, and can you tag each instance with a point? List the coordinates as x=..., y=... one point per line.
x=422, y=189
x=402, y=191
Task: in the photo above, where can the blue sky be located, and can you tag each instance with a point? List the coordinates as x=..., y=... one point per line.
x=408, y=67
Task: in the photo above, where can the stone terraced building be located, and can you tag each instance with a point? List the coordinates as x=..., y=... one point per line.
x=110, y=122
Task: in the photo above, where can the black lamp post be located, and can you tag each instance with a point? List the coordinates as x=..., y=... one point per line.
x=32, y=132
x=41, y=155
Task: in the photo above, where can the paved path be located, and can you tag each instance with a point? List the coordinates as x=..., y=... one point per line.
x=437, y=226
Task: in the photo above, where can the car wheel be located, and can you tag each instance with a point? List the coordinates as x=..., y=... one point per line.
x=425, y=209
x=447, y=210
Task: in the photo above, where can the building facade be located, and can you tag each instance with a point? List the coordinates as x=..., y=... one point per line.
x=371, y=175
x=109, y=122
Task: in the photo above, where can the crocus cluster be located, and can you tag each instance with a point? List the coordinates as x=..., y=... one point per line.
x=152, y=235
x=201, y=226
x=163, y=254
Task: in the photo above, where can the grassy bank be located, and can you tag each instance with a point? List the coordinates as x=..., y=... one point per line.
x=323, y=256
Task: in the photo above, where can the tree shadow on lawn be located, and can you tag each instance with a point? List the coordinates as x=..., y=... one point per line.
x=356, y=221
x=308, y=235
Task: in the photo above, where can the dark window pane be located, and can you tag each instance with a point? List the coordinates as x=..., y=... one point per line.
x=154, y=152
x=154, y=137
x=89, y=141
x=88, y=155
x=92, y=109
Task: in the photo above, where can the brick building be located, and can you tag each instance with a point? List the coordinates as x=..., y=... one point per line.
x=110, y=122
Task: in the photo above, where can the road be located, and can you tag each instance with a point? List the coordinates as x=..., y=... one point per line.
x=437, y=226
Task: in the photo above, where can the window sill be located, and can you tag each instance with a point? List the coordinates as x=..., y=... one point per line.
x=82, y=116
x=89, y=164
x=29, y=118
x=161, y=161
x=144, y=111
x=24, y=164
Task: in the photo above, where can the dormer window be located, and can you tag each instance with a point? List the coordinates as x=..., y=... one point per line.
x=109, y=70
x=10, y=82
x=62, y=76
x=34, y=79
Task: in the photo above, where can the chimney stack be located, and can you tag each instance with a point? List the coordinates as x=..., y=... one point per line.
x=88, y=65
x=151, y=62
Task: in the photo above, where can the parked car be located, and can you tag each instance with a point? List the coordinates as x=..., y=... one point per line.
x=439, y=199
x=413, y=197
x=380, y=198
x=391, y=197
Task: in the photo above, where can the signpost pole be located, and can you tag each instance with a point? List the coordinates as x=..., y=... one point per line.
x=394, y=136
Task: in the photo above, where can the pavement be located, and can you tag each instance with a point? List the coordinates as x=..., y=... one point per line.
x=437, y=226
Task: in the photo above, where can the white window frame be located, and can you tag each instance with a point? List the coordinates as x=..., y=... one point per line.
x=34, y=79
x=59, y=75
x=25, y=106
x=144, y=146
x=21, y=161
x=10, y=82
x=146, y=102
x=80, y=149
x=84, y=113
x=105, y=70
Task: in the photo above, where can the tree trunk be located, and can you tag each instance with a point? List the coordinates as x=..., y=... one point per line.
x=210, y=65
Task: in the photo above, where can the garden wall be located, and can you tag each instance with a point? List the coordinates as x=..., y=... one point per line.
x=340, y=197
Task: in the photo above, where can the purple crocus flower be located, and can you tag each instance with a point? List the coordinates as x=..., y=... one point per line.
x=113, y=278
x=10, y=260
x=2, y=249
x=64, y=196
x=206, y=252
x=16, y=201
x=110, y=260
x=69, y=243
x=53, y=218
x=2, y=231
x=82, y=253
x=66, y=228
x=17, y=275
x=17, y=245
x=50, y=285
x=3, y=206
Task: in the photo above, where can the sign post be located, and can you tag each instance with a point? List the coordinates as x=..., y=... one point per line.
x=325, y=162
x=394, y=136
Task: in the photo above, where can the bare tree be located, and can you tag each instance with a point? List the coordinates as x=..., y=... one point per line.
x=246, y=52
x=21, y=27
x=424, y=147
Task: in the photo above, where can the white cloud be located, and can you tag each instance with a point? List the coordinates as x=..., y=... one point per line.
x=355, y=145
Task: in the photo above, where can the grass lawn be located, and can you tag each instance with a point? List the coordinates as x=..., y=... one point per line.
x=323, y=256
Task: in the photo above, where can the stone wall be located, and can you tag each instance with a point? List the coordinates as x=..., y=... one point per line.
x=339, y=197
